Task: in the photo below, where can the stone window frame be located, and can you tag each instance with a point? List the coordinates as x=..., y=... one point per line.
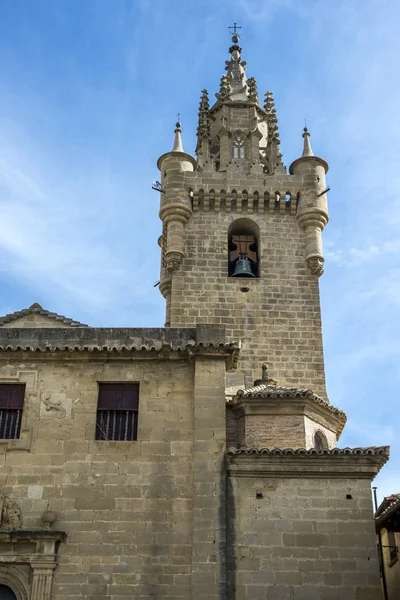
x=30, y=412
x=240, y=148
x=322, y=443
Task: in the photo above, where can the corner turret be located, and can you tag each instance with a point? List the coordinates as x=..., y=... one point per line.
x=312, y=209
x=175, y=210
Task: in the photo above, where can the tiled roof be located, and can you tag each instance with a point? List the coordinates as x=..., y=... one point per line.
x=98, y=339
x=389, y=505
x=277, y=391
x=37, y=309
x=370, y=451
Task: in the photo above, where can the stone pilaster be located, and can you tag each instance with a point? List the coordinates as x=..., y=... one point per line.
x=209, y=501
x=42, y=580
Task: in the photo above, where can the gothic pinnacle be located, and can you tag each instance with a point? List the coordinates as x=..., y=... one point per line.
x=307, y=150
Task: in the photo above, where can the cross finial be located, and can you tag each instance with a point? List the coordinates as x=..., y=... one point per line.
x=179, y=116
x=235, y=29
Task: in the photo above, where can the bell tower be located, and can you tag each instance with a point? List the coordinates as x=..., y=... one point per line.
x=241, y=241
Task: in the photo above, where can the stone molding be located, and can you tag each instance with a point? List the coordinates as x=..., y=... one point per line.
x=338, y=463
x=16, y=578
x=42, y=562
x=171, y=343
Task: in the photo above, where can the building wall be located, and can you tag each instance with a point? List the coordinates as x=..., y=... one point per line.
x=277, y=320
x=302, y=540
x=127, y=507
x=392, y=567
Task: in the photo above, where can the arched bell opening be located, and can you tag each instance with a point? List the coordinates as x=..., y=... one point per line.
x=320, y=441
x=243, y=249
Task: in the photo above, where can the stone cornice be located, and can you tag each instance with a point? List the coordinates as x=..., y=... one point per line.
x=173, y=343
x=338, y=463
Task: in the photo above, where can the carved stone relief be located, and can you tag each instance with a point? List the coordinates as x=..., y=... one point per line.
x=10, y=514
x=53, y=403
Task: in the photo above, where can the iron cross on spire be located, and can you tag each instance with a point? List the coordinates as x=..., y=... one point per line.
x=235, y=29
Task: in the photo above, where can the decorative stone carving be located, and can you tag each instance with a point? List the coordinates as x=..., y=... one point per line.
x=57, y=406
x=173, y=261
x=316, y=265
x=11, y=516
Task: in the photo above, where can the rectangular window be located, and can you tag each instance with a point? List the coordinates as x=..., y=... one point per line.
x=11, y=405
x=117, y=411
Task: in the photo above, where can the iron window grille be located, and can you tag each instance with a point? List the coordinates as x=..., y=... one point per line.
x=117, y=412
x=393, y=551
x=11, y=406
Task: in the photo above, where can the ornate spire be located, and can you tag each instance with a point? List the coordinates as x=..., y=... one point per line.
x=203, y=129
x=307, y=150
x=178, y=142
x=272, y=119
x=223, y=89
x=252, y=90
x=272, y=154
x=234, y=85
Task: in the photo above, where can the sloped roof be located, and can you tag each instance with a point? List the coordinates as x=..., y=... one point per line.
x=369, y=451
x=278, y=391
x=389, y=505
x=39, y=310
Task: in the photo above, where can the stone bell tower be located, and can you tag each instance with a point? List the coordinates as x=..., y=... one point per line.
x=241, y=242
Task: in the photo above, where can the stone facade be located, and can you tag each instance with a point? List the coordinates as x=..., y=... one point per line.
x=234, y=488
x=387, y=522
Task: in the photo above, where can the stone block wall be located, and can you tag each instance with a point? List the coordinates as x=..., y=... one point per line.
x=302, y=538
x=127, y=507
x=277, y=319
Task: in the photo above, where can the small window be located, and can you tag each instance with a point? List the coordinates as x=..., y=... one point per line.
x=11, y=405
x=117, y=411
x=238, y=146
x=320, y=441
x=392, y=547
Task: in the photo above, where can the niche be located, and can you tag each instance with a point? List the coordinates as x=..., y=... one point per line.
x=243, y=249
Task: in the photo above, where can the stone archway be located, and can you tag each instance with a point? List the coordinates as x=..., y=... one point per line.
x=6, y=593
x=14, y=582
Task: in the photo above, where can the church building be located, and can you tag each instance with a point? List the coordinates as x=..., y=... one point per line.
x=199, y=460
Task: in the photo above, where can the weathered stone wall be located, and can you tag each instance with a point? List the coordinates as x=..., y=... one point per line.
x=277, y=320
x=302, y=539
x=127, y=507
x=392, y=567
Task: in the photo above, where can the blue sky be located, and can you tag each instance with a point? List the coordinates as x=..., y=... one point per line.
x=89, y=93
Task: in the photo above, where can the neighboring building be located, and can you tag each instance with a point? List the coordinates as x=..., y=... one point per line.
x=152, y=463
x=387, y=520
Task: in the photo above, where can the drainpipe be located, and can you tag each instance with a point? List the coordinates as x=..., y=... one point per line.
x=380, y=551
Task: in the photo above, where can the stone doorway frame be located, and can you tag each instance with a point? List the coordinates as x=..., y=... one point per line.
x=36, y=583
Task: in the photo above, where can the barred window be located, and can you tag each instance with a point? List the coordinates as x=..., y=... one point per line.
x=117, y=411
x=11, y=405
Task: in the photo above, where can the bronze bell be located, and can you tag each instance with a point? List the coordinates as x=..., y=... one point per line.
x=243, y=267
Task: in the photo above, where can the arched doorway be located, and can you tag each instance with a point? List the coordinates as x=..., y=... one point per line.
x=6, y=593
